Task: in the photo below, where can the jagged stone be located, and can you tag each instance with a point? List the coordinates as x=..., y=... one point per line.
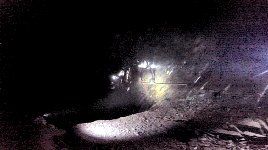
x=226, y=132
x=247, y=133
x=263, y=124
x=250, y=123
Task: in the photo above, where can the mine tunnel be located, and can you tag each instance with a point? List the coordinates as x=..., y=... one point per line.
x=191, y=75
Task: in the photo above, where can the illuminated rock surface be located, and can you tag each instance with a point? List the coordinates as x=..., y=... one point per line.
x=224, y=104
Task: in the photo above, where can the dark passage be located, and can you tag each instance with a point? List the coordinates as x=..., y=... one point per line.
x=60, y=54
x=57, y=56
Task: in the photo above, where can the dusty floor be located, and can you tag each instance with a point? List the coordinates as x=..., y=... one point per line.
x=217, y=125
x=219, y=115
x=223, y=106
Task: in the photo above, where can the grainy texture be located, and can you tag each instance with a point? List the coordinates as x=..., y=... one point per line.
x=223, y=60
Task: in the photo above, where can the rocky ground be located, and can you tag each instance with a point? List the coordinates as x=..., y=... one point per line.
x=223, y=106
x=208, y=123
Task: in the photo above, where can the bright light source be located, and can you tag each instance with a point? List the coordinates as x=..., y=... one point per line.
x=114, y=77
x=144, y=64
x=153, y=66
x=46, y=114
x=152, y=81
x=121, y=73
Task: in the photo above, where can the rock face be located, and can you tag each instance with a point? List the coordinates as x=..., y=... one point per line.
x=224, y=66
x=235, y=84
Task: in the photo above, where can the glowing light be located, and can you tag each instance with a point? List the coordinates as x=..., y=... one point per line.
x=152, y=82
x=121, y=73
x=114, y=77
x=46, y=114
x=144, y=64
x=153, y=66
x=158, y=84
x=155, y=88
x=155, y=81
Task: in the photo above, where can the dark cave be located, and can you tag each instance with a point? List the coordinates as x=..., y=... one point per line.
x=58, y=57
